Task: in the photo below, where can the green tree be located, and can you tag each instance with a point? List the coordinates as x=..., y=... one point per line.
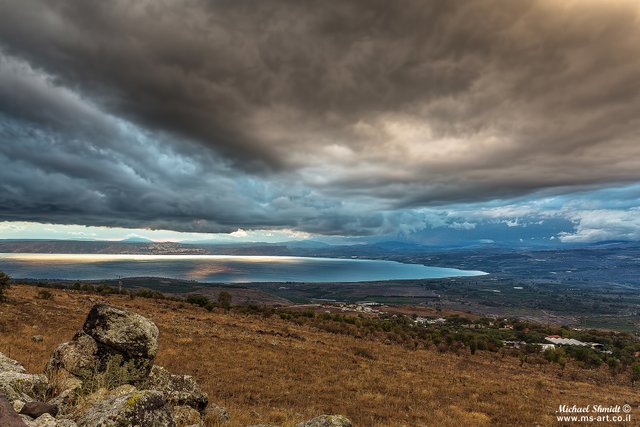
x=224, y=299
x=473, y=346
x=635, y=373
x=5, y=281
x=614, y=366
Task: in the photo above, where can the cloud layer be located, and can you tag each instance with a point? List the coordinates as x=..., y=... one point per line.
x=326, y=117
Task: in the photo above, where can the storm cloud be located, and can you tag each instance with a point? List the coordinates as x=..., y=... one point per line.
x=326, y=117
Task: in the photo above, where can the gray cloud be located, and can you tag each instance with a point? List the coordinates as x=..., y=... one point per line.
x=208, y=111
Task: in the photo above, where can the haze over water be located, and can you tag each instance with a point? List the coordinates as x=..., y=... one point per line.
x=217, y=268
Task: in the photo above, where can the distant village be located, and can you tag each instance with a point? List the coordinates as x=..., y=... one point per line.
x=550, y=342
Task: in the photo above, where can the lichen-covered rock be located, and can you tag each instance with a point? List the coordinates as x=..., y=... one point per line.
x=179, y=390
x=87, y=402
x=110, y=336
x=186, y=416
x=125, y=332
x=120, y=335
x=327, y=421
x=141, y=408
x=217, y=414
x=78, y=357
x=16, y=384
x=9, y=365
x=17, y=405
x=46, y=420
x=66, y=398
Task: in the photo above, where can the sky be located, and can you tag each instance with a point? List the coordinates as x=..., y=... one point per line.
x=431, y=121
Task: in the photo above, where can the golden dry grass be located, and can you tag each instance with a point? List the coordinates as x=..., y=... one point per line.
x=249, y=365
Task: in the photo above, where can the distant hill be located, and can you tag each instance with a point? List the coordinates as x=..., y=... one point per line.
x=137, y=239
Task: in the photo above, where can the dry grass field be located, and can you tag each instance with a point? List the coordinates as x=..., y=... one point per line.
x=273, y=371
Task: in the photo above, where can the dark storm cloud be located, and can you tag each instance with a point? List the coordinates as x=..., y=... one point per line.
x=370, y=106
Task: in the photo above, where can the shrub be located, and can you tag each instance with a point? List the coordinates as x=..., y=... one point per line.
x=200, y=300
x=116, y=372
x=635, y=373
x=224, y=299
x=45, y=294
x=5, y=282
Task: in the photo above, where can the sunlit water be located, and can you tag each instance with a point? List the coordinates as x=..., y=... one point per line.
x=216, y=268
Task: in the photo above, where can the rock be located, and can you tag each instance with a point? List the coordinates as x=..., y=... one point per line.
x=25, y=387
x=179, y=390
x=78, y=357
x=9, y=417
x=125, y=332
x=102, y=395
x=111, y=338
x=46, y=420
x=16, y=384
x=66, y=398
x=141, y=408
x=121, y=336
x=10, y=365
x=186, y=416
x=326, y=421
x=37, y=338
x=217, y=414
x=17, y=405
x=35, y=409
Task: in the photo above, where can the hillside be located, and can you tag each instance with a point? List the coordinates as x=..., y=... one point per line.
x=269, y=370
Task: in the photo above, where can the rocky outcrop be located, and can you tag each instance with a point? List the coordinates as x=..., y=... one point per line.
x=180, y=390
x=105, y=377
x=140, y=408
x=326, y=421
x=110, y=335
x=17, y=384
x=115, y=351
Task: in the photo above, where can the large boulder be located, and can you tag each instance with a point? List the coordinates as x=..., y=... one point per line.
x=326, y=421
x=78, y=357
x=17, y=384
x=125, y=332
x=112, y=340
x=141, y=408
x=179, y=390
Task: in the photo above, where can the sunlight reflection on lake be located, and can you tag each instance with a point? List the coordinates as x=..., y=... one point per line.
x=216, y=268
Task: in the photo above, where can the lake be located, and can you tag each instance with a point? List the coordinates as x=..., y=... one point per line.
x=216, y=268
